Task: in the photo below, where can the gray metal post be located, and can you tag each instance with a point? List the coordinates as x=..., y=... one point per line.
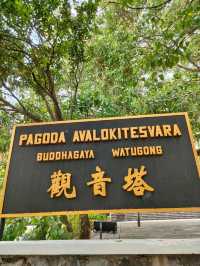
x=138, y=220
x=101, y=233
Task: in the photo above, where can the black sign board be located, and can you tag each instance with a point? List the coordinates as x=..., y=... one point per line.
x=125, y=164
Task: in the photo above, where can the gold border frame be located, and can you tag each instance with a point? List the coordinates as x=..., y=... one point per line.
x=12, y=215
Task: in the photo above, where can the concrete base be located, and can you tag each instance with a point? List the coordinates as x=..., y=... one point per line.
x=146, y=252
x=102, y=247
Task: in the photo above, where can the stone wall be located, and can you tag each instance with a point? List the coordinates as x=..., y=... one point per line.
x=133, y=260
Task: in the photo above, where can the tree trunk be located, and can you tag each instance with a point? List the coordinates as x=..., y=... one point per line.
x=84, y=227
x=64, y=220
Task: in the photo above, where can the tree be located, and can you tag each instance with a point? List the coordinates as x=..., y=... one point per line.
x=41, y=41
x=37, y=37
x=145, y=57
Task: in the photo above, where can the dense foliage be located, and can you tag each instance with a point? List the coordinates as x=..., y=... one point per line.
x=91, y=58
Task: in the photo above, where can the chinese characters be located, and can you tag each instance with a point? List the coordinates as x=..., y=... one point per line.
x=99, y=182
x=135, y=183
x=61, y=183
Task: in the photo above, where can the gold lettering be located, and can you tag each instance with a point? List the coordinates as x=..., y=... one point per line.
x=159, y=150
x=30, y=140
x=45, y=156
x=62, y=137
x=46, y=138
x=88, y=136
x=95, y=138
x=133, y=151
x=86, y=154
x=39, y=157
x=159, y=132
x=167, y=130
x=125, y=131
x=146, y=150
x=134, y=182
x=152, y=150
x=99, y=182
x=91, y=155
x=143, y=132
x=51, y=156
x=119, y=133
x=64, y=155
x=127, y=151
x=112, y=133
x=177, y=131
x=82, y=155
x=115, y=152
x=151, y=130
x=139, y=151
x=22, y=139
x=76, y=136
x=76, y=155
x=104, y=134
x=61, y=184
x=42, y=138
x=54, y=137
x=122, y=153
x=58, y=156
x=134, y=133
x=38, y=139
x=70, y=155
x=82, y=135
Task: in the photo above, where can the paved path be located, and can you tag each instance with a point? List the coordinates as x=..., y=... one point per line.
x=174, y=229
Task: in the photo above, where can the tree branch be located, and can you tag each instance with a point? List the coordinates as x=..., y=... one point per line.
x=39, y=85
x=159, y=6
x=78, y=71
x=194, y=63
x=48, y=107
x=52, y=95
x=22, y=111
x=42, y=91
x=13, y=95
x=189, y=69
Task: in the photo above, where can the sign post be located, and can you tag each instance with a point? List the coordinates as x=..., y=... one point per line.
x=116, y=165
x=2, y=225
